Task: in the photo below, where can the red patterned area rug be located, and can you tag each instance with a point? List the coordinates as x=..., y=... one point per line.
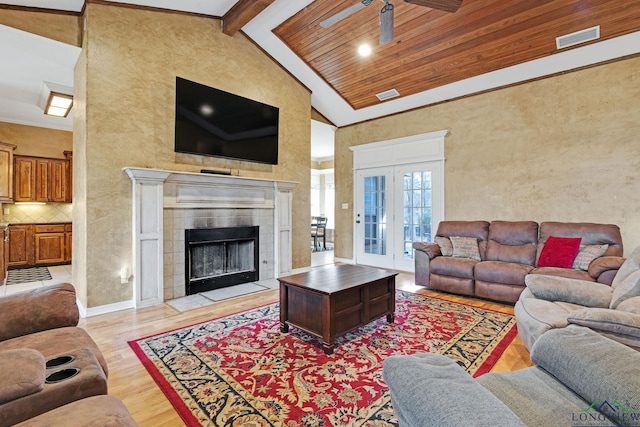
x=241, y=370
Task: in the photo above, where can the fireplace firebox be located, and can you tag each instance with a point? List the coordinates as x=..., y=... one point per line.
x=220, y=257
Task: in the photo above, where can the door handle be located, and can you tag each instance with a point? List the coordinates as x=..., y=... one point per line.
x=357, y=221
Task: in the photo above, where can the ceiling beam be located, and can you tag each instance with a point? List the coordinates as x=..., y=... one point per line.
x=241, y=13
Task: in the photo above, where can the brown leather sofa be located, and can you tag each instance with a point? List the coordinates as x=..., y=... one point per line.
x=47, y=361
x=507, y=252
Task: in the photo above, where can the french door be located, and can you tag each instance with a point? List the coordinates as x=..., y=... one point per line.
x=396, y=206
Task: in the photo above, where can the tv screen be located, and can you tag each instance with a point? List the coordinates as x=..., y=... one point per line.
x=212, y=122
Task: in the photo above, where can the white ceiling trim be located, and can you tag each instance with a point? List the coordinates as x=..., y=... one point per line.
x=335, y=108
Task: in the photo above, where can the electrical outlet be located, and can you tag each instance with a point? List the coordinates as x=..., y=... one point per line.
x=345, y=206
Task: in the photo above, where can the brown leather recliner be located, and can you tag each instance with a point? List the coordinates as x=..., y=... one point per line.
x=37, y=327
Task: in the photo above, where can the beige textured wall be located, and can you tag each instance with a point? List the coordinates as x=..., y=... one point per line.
x=61, y=26
x=36, y=141
x=566, y=148
x=80, y=245
x=132, y=59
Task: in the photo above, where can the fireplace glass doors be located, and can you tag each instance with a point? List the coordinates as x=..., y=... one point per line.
x=220, y=257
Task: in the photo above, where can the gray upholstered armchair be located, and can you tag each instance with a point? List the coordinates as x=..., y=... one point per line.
x=551, y=302
x=580, y=376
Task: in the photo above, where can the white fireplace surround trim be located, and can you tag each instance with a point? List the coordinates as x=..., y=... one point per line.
x=156, y=189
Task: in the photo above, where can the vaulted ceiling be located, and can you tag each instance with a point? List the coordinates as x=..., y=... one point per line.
x=434, y=56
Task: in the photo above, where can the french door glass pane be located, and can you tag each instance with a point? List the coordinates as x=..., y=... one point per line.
x=417, y=210
x=375, y=215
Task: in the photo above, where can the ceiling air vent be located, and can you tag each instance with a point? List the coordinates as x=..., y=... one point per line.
x=387, y=94
x=578, y=37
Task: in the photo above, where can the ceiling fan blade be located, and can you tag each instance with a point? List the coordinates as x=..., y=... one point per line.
x=386, y=24
x=345, y=13
x=446, y=5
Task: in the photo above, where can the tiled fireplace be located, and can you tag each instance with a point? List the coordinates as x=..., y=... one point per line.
x=166, y=203
x=177, y=221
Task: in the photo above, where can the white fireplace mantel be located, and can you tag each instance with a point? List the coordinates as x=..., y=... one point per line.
x=156, y=189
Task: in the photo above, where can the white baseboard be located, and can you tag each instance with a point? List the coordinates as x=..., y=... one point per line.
x=103, y=309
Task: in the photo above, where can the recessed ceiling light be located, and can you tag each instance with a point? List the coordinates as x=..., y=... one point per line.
x=364, y=50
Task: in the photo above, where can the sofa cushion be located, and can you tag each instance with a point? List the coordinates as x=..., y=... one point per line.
x=552, y=288
x=446, y=248
x=559, y=252
x=49, y=307
x=535, y=396
x=477, y=229
x=23, y=373
x=465, y=247
x=626, y=284
x=508, y=273
x=590, y=233
x=454, y=267
x=587, y=254
x=632, y=305
x=512, y=241
x=421, y=387
x=568, y=273
x=575, y=355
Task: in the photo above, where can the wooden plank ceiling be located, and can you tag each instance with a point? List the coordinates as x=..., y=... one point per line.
x=432, y=48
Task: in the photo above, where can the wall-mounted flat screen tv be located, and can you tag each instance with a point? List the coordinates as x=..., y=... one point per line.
x=212, y=122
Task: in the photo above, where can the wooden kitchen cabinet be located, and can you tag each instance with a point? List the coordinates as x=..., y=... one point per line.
x=6, y=172
x=30, y=245
x=38, y=179
x=49, y=244
x=19, y=246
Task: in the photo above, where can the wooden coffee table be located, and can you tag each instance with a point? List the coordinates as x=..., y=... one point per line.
x=329, y=302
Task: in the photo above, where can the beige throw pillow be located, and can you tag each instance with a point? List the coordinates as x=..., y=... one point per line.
x=465, y=247
x=587, y=254
x=445, y=245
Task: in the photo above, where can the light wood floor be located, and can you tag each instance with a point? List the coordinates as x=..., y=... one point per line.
x=129, y=381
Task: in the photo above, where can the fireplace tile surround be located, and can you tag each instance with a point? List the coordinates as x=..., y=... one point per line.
x=165, y=203
x=176, y=221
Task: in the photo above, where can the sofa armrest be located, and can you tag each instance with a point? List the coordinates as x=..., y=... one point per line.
x=37, y=310
x=600, y=266
x=603, y=264
x=581, y=292
x=616, y=322
x=591, y=365
x=431, y=249
x=23, y=373
x=433, y=390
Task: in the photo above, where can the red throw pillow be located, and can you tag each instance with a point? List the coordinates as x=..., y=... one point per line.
x=559, y=252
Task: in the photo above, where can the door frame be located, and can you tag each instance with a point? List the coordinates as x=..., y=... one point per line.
x=421, y=148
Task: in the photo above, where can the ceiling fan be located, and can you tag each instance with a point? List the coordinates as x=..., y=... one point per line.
x=386, y=14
